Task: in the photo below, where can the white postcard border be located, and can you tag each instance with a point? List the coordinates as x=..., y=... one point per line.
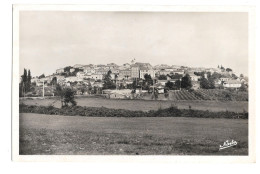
x=151, y=159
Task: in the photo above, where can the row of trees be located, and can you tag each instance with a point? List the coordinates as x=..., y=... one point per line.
x=25, y=84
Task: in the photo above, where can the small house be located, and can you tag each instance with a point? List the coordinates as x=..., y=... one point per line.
x=232, y=84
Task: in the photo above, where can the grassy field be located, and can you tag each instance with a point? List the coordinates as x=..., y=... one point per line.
x=51, y=134
x=236, y=106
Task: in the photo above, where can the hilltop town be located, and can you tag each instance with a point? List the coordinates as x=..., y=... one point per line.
x=97, y=79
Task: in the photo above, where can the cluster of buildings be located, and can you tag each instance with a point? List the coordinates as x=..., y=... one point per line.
x=125, y=74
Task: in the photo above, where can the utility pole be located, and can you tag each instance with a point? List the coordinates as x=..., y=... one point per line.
x=180, y=84
x=141, y=85
x=116, y=84
x=52, y=89
x=43, y=89
x=153, y=86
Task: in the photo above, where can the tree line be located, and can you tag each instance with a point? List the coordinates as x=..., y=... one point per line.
x=25, y=84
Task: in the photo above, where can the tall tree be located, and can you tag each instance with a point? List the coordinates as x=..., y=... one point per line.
x=186, y=82
x=177, y=84
x=108, y=83
x=211, y=83
x=204, y=83
x=54, y=81
x=24, y=76
x=24, y=81
x=222, y=68
x=25, y=84
x=148, y=81
x=28, y=82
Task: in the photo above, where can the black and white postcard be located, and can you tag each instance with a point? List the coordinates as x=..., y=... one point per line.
x=133, y=82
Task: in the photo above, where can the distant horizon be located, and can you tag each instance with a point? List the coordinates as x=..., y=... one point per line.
x=50, y=40
x=129, y=63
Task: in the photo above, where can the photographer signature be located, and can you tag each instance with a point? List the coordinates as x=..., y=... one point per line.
x=227, y=144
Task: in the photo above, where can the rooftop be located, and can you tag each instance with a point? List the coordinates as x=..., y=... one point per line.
x=233, y=82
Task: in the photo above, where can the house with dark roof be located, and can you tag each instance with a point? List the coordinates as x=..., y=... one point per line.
x=144, y=65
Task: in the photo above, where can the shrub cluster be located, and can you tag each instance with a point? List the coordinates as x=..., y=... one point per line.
x=79, y=110
x=175, y=112
x=107, y=112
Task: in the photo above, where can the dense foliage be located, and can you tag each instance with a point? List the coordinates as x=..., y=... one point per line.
x=107, y=112
x=147, y=82
x=175, y=76
x=66, y=96
x=67, y=72
x=162, y=77
x=25, y=84
x=208, y=80
x=108, y=83
x=207, y=83
x=186, y=82
x=170, y=85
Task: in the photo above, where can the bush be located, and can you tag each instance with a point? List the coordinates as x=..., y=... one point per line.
x=66, y=96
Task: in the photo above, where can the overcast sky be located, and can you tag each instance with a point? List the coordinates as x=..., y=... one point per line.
x=51, y=40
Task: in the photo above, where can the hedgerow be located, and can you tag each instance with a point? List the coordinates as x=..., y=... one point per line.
x=173, y=111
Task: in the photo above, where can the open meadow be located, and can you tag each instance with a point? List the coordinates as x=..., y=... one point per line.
x=146, y=105
x=64, y=135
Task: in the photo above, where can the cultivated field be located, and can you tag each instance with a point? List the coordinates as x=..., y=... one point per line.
x=52, y=134
x=146, y=105
x=209, y=94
